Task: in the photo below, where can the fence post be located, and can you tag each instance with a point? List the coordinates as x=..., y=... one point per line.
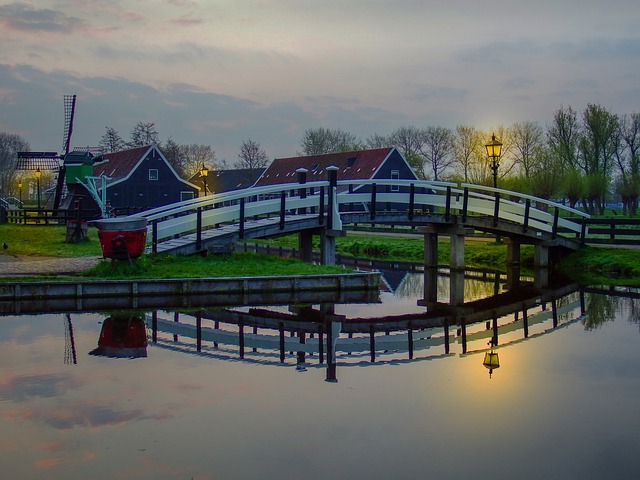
x=321, y=207
x=556, y=214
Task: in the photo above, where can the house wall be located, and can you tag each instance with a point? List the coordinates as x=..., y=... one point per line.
x=141, y=192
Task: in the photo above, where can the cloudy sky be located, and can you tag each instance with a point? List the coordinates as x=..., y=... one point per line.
x=218, y=72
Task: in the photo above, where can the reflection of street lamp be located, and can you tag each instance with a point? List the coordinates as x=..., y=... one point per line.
x=491, y=360
x=38, y=173
x=20, y=191
x=204, y=171
x=494, y=150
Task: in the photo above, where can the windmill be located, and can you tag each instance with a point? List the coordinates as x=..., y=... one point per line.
x=51, y=161
x=74, y=167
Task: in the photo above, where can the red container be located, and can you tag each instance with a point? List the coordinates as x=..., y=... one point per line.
x=122, y=238
x=114, y=244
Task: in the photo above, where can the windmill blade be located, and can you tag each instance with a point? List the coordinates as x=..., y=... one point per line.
x=69, y=112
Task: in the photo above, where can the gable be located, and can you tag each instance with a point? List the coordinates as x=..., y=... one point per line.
x=122, y=166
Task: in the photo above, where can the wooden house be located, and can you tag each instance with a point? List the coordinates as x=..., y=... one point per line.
x=141, y=178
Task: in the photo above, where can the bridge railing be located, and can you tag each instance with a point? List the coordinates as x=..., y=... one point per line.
x=408, y=197
x=464, y=200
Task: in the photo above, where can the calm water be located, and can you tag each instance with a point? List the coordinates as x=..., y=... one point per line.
x=248, y=397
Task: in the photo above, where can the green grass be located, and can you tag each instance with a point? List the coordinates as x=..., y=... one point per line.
x=611, y=266
x=46, y=241
x=478, y=253
x=235, y=265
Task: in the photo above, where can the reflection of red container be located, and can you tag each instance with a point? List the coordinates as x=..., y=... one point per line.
x=122, y=238
x=123, y=337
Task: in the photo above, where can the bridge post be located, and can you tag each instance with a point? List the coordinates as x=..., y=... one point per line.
x=513, y=262
x=305, y=246
x=430, y=249
x=327, y=248
x=456, y=255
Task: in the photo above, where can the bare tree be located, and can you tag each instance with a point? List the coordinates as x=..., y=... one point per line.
x=195, y=156
x=467, y=150
x=437, y=150
x=628, y=161
x=378, y=141
x=10, y=145
x=251, y=156
x=175, y=155
x=324, y=140
x=410, y=140
x=144, y=134
x=111, y=141
x=528, y=139
x=563, y=137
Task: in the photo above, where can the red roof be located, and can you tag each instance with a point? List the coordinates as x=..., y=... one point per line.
x=118, y=165
x=356, y=165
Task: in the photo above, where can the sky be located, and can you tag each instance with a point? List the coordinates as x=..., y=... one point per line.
x=219, y=72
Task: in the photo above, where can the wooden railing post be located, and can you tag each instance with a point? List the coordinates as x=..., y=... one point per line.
x=321, y=207
x=283, y=200
x=242, y=219
x=412, y=198
x=496, y=210
x=199, y=229
x=465, y=204
x=154, y=236
x=373, y=202
x=447, y=206
x=527, y=209
x=556, y=215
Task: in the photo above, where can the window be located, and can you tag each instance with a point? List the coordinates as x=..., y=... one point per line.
x=186, y=195
x=153, y=174
x=395, y=175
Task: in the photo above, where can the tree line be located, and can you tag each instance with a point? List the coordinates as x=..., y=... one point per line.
x=583, y=157
x=586, y=156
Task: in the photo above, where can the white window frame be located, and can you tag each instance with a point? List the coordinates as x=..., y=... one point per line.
x=151, y=176
x=395, y=175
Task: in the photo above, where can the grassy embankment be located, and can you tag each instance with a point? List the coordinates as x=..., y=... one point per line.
x=50, y=241
x=591, y=265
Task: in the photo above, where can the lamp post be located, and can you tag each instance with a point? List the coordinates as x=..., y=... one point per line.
x=20, y=191
x=494, y=150
x=204, y=171
x=38, y=174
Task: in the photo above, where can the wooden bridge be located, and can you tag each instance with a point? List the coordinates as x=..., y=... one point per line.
x=217, y=221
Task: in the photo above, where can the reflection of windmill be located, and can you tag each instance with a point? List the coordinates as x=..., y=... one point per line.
x=69, y=342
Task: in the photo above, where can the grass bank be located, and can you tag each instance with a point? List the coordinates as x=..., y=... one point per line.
x=589, y=265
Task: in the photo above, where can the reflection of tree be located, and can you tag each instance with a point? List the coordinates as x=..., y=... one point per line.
x=601, y=309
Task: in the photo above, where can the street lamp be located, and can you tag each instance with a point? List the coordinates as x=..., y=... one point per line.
x=204, y=171
x=38, y=173
x=494, y=150
x=20, y=191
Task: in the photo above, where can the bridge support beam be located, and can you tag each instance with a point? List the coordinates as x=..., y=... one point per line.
x=456, y=253
x=327, y=248
x=541, y=256
x=513, y=262
x=305, y=246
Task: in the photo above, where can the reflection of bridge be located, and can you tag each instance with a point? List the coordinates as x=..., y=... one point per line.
x=324, y=208
x=320, y=337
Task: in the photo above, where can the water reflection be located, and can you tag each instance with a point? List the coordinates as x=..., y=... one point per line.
x=485, y=313
x=122, y=336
